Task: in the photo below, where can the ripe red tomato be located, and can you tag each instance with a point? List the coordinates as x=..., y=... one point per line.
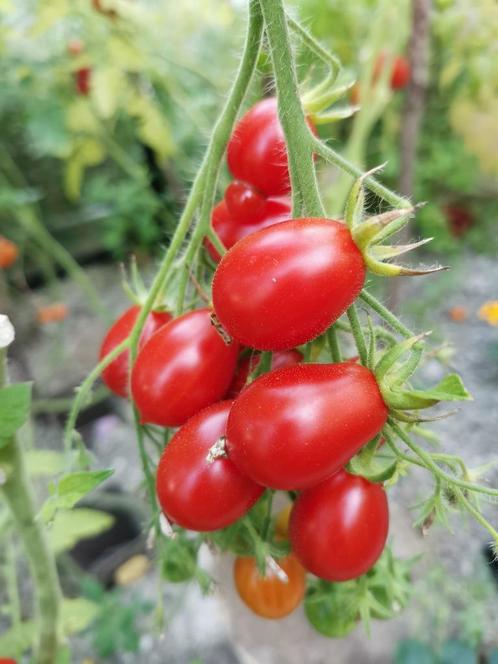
x=230, y=230
x=279, y=359
x=293, y=427
x=244, y=203
x=82, y=77
x=194, y=493
x=284, y=285
x=400, y=73
x=115, y=376
x=257, y=152
x=268, y=596
x=183, y=368
x=338, y=529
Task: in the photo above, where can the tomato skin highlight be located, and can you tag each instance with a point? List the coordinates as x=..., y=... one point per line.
x=339, y=528
x=267, y=596
x=284, y=285
x=196, y=494
x=115, y=376
x=293, y=427
x=282, y=358
x=184, y=367
x=230, y=230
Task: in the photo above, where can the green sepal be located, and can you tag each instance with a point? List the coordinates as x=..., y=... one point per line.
x=387, y=362
x=374, y=471
x=451, y=388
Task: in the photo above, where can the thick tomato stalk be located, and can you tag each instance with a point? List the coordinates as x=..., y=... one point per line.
x=257, y=151
x=184, y=367
x=230, y=228
x=115, y=376
x=339, y=528
x=292, y=428
x=196, y=493
x=249, y=363
x=269, y=596
x=286, y=284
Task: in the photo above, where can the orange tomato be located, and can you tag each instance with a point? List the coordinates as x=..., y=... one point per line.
x=458, y=313
x=8, y=252
x=269, y=596
x=52, y=313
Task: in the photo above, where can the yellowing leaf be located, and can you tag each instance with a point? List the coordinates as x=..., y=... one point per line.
x=71, y=526
x=108, y=84
x=88, y=152
x=80, y=117
x=489, y=312
x=153, y=127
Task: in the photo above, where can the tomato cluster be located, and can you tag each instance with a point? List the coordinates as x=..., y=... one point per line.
x=295, y=426
x=400, y=75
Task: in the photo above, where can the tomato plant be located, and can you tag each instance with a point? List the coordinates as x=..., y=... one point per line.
x=284, y=285
x=194, y=492
x=269, y=596
x=338, y=529
x=116, y=375
x=281, y=431
x=183, y=368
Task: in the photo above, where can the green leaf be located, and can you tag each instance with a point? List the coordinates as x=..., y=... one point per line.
x=15, y=402
x=70, y=526
x=78, y=614
x=17, y=639
x=44, y=462
x=71, y=489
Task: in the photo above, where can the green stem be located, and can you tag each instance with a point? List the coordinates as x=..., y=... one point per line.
x=463, y=500
x=385, y=314
x=215, y=150
x=305, y=194
x=331, y=156
x=315, y=47
x=17, y=492
x=357, y=333
x=333, y=342
x=266, y=526
x=144, y=458
x=436, y=470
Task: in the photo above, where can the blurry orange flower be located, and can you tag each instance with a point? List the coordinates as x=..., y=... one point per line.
x=8, y=252
x=489, y=312
x=52, y=313
x=458, y=313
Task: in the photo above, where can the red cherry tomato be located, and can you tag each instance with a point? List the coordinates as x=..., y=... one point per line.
x=194, y=493
x=183, y=368
x=338, y=529
x=293, y=427
x=284, y=285
x=8, y=253
x=82, y=78
x=244, y=203
x=257, y=152
x=268, y=596
x=279, y=359
x=400, y=73
x=115, y=376
x=230, y=231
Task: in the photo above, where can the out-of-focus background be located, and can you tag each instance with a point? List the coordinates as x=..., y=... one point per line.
x=105, y=110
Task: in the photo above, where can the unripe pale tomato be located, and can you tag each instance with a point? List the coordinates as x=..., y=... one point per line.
x=115, y=376
x=338, y=528
x=293, y=427
x=268, y=596
x=286, y=284
x=195, y=493
x=183, y=368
